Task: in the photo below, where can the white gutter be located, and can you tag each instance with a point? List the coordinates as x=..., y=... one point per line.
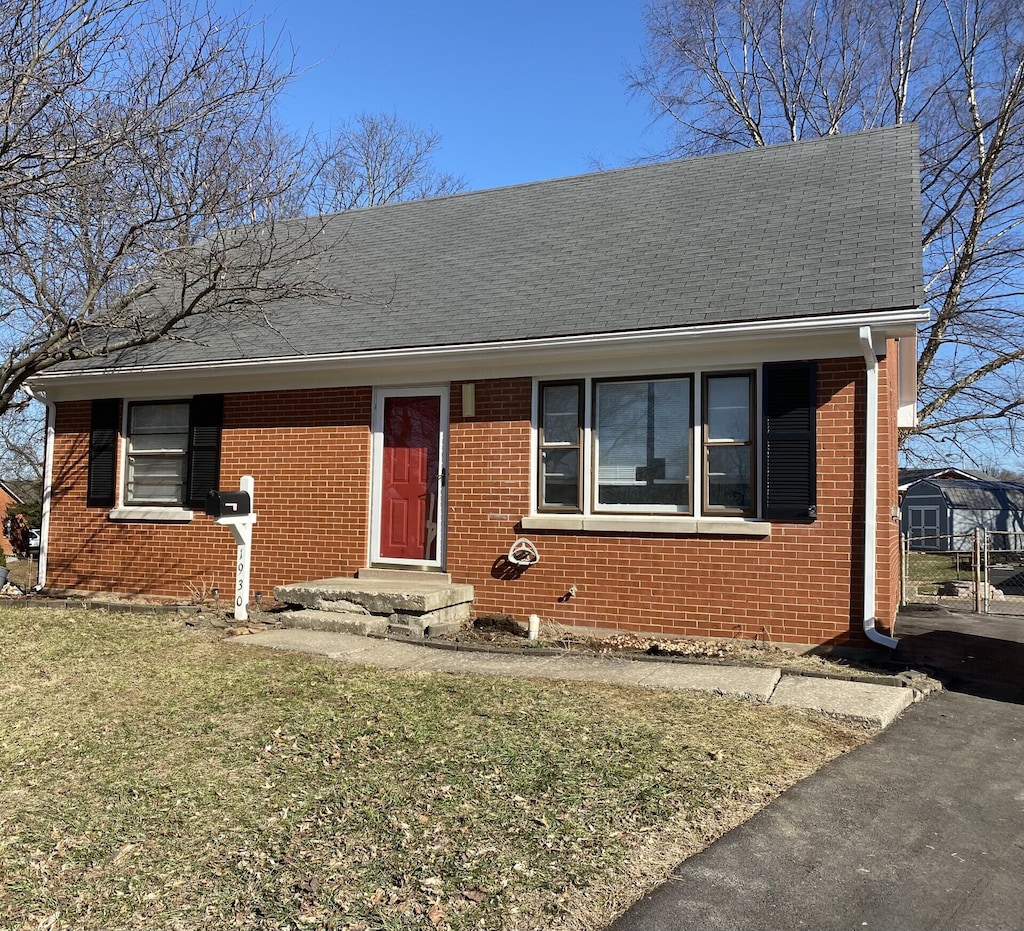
x=895, y=321
x=871, y=494
x=44, y=520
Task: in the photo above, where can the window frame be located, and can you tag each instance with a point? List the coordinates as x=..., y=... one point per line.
x=707, y=444
x=127, y=498
x=590, y=509
x=592, y=463
x=542, y=446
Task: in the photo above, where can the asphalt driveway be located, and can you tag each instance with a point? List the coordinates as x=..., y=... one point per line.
x=982, y=654
x=921, y=829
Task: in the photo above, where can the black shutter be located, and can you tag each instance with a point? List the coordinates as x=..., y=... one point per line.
x=206, y=419
x=789, y=401
x=103, y=429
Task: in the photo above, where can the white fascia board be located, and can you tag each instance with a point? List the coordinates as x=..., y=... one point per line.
x=649, y=351
x=906, y=413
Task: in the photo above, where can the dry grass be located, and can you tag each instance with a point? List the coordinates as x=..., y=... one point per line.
x=151, y=778
x=24, y=573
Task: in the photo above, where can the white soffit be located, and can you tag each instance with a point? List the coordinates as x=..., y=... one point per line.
x=646, y=351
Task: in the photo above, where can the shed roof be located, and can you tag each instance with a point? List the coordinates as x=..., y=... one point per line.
x=824, y=227
x=978, y=495
x=907, y=477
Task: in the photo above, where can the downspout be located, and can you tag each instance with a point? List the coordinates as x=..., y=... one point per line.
x=871, y=494
x=44, y=509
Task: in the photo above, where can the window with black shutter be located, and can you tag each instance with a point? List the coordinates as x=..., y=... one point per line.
x=207, y=420
x=103, y=432
x=172, y=452
x=789, y=406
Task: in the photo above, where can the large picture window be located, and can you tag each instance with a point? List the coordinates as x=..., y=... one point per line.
x=674, y=444
x=642, y=444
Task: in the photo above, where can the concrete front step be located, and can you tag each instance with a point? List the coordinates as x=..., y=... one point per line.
x=334, y=622
x=376, y=573
x=413, y=604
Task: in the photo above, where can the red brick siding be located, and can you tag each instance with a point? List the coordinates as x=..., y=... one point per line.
x=309, y=452
x=5, y=502
x=797, y=586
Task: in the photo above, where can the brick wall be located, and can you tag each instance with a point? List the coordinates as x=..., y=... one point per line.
x=309, y=452
x=5, y=502
x=797, y=586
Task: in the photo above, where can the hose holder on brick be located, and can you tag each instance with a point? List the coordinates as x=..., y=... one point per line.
x=523, y=553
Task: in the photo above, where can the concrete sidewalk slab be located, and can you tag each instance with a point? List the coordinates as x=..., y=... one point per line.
x=752, y=683
x=877, y=705
x=324, y=643
x=484, y=664
x=873, y=705
x=610, y=669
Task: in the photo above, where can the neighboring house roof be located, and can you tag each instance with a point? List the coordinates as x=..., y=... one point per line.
x=979, y=495
x=825, y=227
x=10, y=487
x=907, y=477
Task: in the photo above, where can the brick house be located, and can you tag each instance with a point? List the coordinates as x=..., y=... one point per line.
x=681, y=382
x=8, y=496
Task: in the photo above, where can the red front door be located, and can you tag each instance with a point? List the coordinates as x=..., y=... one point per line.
x=409, y=477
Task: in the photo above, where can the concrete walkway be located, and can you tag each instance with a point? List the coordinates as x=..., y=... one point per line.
x=923, y=828
x=873, y=705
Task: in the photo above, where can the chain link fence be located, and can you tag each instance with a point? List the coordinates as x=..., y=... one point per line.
x=981, y=571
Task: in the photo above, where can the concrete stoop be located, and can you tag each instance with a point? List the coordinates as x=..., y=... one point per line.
x=379, y=601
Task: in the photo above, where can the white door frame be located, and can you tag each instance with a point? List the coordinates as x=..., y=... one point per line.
x=377, y=462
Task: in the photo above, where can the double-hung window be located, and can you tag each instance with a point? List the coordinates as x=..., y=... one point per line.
x=561, y=445
x=157, y=453
x=729, y=443
x=168, y=451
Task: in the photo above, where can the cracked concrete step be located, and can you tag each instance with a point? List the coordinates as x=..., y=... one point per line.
x=376, y=596
x=409, y=604
x=336, y=622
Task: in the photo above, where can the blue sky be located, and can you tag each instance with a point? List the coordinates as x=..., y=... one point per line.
x=518, y=91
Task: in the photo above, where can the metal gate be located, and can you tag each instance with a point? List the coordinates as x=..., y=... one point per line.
x=981, y=571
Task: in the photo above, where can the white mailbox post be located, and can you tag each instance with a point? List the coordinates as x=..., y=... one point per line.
x=241, y=530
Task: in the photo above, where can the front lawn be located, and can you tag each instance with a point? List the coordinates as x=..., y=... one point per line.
x=152, y=777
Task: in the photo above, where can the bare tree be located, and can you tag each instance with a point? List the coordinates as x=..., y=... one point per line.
x=733, y=73
x=376, y=159
x=21, y=441
x=140, y=173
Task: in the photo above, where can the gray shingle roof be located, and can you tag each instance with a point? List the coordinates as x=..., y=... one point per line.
x=829, y=226
x=909, y=476
x=980, y=495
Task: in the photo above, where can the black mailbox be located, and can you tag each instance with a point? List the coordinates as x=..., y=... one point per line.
x=228, y=504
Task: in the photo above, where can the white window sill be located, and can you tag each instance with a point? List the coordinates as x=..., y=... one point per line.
x=650, y=523
x=152, y=515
